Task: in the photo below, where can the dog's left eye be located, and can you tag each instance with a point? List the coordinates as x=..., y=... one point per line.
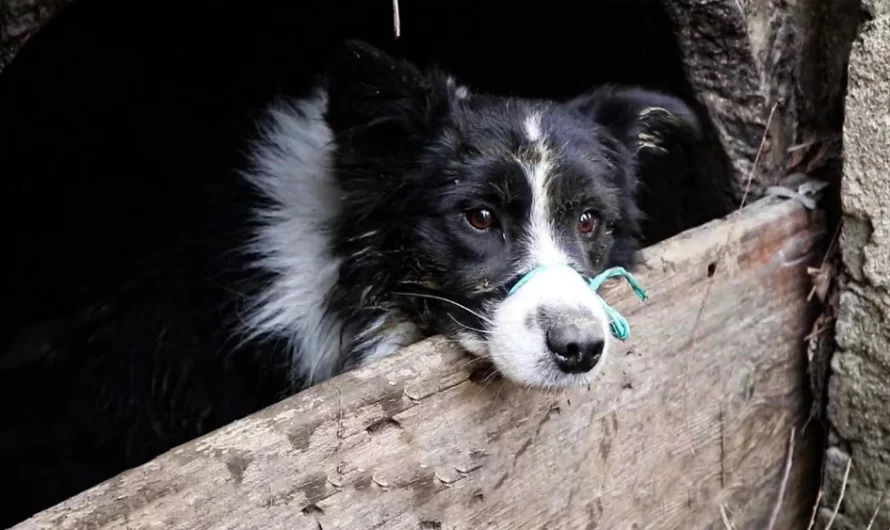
x=481, y=218
x=587, y=222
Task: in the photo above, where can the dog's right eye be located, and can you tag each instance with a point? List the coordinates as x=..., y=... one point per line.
x=481, y=218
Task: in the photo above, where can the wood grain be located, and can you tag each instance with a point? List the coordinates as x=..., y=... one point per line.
x=679, y=424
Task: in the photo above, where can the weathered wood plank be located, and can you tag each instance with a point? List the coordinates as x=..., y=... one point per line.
x=676, y=427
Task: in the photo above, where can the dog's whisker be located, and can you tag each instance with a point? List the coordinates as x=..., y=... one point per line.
x=470, y=362
x=443, y=299
x=461, y=324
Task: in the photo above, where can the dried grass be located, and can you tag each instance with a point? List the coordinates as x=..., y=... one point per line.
x=874, y=516
x=840, y=498
x=777, y=509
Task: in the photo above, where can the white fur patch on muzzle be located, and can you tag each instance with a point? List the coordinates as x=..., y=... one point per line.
x=550, y=331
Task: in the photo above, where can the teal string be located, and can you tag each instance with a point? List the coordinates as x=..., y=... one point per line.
x=617, y=323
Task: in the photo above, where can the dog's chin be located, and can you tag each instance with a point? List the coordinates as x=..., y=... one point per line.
x=525, y=361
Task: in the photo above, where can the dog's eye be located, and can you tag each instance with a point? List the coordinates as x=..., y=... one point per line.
x=587, y=223
x=481, y=218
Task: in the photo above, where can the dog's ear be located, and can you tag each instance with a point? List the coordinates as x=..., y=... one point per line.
x=368, y=89
x=651, y=124
x=670, y=169
x=660, y=135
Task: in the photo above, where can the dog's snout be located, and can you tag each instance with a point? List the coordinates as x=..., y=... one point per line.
x=551, y=328
x=576, y=347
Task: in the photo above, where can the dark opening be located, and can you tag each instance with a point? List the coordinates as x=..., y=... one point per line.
x=110, y=84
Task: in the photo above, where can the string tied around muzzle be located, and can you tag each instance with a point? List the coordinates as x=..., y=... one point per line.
x=617, y=323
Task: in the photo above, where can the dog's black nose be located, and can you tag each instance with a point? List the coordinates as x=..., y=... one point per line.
x=575, y=348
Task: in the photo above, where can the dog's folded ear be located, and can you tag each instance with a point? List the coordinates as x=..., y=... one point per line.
x=368, y=89
x=675, y=169
x=651, y=124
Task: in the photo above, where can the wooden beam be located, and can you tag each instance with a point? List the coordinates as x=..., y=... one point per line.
x=682, y=423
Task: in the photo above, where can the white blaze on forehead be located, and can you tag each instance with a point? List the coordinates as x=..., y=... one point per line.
x=533, y=127
x=541, y=234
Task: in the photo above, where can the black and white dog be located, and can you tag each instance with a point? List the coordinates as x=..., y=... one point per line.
x=398, y=205
x=390, y=205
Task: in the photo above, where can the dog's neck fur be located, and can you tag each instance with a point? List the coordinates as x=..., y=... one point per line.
x=291, y=166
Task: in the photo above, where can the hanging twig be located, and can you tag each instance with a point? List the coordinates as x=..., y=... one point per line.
x=396, y=21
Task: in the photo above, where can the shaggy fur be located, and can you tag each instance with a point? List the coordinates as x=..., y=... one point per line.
x=387, y=206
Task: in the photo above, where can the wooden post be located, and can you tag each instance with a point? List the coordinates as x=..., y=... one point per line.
x=691, y=418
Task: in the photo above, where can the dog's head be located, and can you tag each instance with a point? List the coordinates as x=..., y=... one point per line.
x=451, y=198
